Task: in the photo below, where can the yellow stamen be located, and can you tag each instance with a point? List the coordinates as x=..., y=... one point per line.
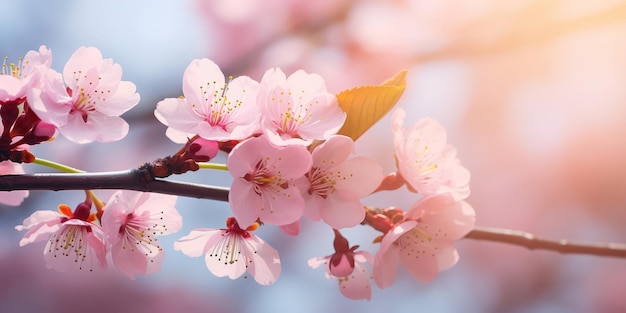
x=265, y=179
x=70, y=237
x=421, y=234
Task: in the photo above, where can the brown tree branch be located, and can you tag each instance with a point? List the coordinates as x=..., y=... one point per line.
x=134, y=179
x=531, y=242
x=138, y=180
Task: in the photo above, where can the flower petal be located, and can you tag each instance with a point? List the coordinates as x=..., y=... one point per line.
x=265, y=266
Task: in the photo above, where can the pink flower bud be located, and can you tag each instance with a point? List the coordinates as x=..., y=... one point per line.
x=44, y=131
x=82, y=211
x=341, y=264
x=202, y=150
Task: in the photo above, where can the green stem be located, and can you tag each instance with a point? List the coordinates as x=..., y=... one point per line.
x=57, y=166
x=213, y=166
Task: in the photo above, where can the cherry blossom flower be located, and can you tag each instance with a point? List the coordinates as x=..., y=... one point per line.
x=85, y=102
x=16, y=197
x=424, y=241
x=263, y=186
x=74, y=241
x=212, y=107
x=297, y=109
x=132, y=220
x=16, y=79
x=233, y=251
x=425, y=161
x=334, y=185
x=346, y=265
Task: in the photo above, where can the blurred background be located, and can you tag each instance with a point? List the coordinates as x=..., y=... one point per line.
x=532, y=93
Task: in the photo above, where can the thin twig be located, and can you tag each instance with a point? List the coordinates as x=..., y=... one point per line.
x=530, y=241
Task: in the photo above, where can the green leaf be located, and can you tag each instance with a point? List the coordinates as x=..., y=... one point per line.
x=366, y=105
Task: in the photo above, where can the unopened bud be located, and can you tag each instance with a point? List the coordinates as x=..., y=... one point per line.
x=44, y=131
x=202, y=150
x=341, y=264
x=82, y=211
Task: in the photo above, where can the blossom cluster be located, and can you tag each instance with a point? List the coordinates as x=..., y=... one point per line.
x=84, y=104
x=286, y=154
x=127, y=230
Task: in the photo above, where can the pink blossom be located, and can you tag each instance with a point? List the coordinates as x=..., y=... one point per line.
x=263, y=186
x=297, y=109
x=233, y=251
x=16, y=79
x=333, y=187
x=212, y=107
x=425, y=161
x=86, y=101
x=424, y=241
x=132, y=220
x=74, y=241
x=356, y=284
x=13, y=198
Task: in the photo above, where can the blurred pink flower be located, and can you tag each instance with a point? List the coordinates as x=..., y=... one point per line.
x=232, y=251
x=213, y=108
x=333, y=187
x=16, y=79
x=263, y=186
x=86, y=101
x=74, y=241
x=425, y=161
x=424, y=241
x=13, y=198
x=132, y=220
x=297, y=109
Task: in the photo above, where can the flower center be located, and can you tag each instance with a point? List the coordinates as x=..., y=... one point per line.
x=83, y=104
x=138, y=234
x=322, y=182
x=296, y=115
x=220, y=107
x=262, y=177
x=426, y=162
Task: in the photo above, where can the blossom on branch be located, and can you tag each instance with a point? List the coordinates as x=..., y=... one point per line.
x=85, y=102
x=297, y=109
x=212, y=107
x=132, y=220
x=332, y=189
x=423, y=242
x=263, y=187
x=233, y=251
x=74, y=240
x=425, y=161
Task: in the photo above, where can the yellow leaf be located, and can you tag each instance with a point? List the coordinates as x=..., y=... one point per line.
x=366, y=105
